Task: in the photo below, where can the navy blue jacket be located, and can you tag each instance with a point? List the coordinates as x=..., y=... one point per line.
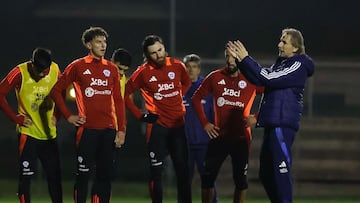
x=193, y=128
x=284, y=83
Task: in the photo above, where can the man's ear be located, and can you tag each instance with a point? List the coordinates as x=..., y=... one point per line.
x=88, y=45
x=295, y=50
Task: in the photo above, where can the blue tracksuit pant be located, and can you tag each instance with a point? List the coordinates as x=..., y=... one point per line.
x=275, y=164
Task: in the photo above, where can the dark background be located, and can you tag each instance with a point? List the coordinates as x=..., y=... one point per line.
x=331, y=30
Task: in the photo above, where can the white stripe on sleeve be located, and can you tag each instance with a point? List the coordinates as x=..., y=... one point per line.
x=277, y=74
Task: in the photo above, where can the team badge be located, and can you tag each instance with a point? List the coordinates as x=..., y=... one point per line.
x=34, y=107
x=171, y=75
x=80, y=159
x=106, y=73
x=152, y=154
x=25, y=164
x=242, y=84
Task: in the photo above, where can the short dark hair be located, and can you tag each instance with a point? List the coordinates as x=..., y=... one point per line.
x=192, y=58
x=41, y=58
x=92, y=32
x=122, y=56
x=148, y=41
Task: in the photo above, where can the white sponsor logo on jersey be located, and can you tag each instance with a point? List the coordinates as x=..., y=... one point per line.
x=153, y=79
x=221, y=101
x=40, y=89
x=221, y=82
x=87, y=72
x=98, y=82
x=231, y=92
x=159, y=96
x=165, y=86
x=90, y=92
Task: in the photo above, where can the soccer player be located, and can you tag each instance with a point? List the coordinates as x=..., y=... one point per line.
x=280, y=109
x=197, y=137
x=36, y=121
x=233, y=98
x=122, y=59
x=163, y=81
x=101, y=115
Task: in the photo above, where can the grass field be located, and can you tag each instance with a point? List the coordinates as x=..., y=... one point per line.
x=143, y=200
x=138, y=193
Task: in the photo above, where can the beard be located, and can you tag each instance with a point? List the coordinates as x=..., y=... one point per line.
x=231, y=69
x=160, y=62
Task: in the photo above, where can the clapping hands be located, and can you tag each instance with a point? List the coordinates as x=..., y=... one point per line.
x=237, y=50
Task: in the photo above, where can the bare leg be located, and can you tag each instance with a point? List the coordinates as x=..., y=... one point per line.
x=239, y=196
x=207, y=195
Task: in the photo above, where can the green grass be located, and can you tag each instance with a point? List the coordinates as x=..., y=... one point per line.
x=144, y=200
x=138, y=193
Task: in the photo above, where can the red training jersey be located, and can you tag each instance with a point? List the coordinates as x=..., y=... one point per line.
x=162, y=89
x=98, y=97
x=233, y=98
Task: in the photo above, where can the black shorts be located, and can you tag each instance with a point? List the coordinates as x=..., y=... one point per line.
x=218, y=149
x=167, y=141
x=96, y=147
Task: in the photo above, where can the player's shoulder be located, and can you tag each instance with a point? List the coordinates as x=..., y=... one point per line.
x=176, y=62
x=141, y=69
x=16, y=71
x=76, y=62
x=112, y=66
x=110, y=63
x=74, y=66
x=216, y=73
x=244, y=82
x=54, y=65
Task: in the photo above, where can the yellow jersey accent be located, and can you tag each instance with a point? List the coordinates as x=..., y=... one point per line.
x=34, y=101
x=122, y=84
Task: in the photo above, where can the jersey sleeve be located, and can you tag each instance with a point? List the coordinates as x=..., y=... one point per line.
x=203, y=90
x=119, y=105
x=132, y=85
x=185, y=79
x=288, y=76
x=60, y=87
x=57, y=114
x=10, y=82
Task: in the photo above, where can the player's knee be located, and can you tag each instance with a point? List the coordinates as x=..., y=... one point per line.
x=241, y=182
x=156, y=172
